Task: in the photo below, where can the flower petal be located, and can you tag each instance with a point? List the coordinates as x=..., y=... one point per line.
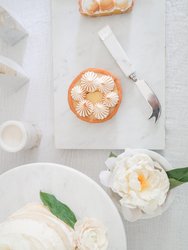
x=128, y=152
x=125, y=155
x=110, y=163
x=105, y=177
x=131, y=214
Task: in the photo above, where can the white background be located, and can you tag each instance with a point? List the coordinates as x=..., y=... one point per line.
x=34, y=102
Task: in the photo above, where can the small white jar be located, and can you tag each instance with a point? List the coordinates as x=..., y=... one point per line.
x=16, y=136
x=116, y=198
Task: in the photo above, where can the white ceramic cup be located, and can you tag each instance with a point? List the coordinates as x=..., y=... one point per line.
x=16, y=136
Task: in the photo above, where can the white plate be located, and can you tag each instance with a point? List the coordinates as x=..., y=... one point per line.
x=86, y=198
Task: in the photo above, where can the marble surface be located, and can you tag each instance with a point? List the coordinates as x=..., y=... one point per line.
x=79, y=47
x=34, y=102
x=69, y=186
x=12, y=76
x=11, y=31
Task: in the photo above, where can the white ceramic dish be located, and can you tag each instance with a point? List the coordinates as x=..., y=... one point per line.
x=86, y=198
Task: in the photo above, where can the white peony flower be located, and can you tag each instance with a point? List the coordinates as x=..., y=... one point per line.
x=141, y=183
x=90, y=234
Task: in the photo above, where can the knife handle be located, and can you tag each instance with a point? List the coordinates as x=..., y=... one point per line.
x=115, y=49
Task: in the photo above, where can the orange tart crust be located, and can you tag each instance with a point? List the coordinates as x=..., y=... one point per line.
x=95, y=96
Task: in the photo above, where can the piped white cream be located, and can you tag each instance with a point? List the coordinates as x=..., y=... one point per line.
x=105, y=84
x=88, y=81
x=77, y=93
x=111, y=99
x=90, y=5
x=84, y=108
x=124, y=4
x=100, y=111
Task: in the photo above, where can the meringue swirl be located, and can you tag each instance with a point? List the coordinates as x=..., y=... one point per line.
x=89, y=81
x=77, y=93
x=84, y=108
x=105, y=84
x=90, y=6
x=100, y=111
x=111, y=99
x=124, y=4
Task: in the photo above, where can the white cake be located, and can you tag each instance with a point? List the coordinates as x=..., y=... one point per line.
x=34, y=227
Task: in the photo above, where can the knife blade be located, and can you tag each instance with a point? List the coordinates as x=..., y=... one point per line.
x=122, y=59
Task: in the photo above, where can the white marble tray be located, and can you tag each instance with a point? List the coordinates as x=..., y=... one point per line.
x=76, y=46
x=86, y=198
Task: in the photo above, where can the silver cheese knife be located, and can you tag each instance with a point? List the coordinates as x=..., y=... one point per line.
x=124, y=63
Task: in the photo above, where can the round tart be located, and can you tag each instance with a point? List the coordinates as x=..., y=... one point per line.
x=105, y=7
x=95, y=95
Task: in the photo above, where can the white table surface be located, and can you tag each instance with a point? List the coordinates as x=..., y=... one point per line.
x=34, y=102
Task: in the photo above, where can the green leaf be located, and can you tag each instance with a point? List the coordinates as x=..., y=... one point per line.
x=57, y=208
x=112, y=155
x=174, y=183
x=177, y=177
